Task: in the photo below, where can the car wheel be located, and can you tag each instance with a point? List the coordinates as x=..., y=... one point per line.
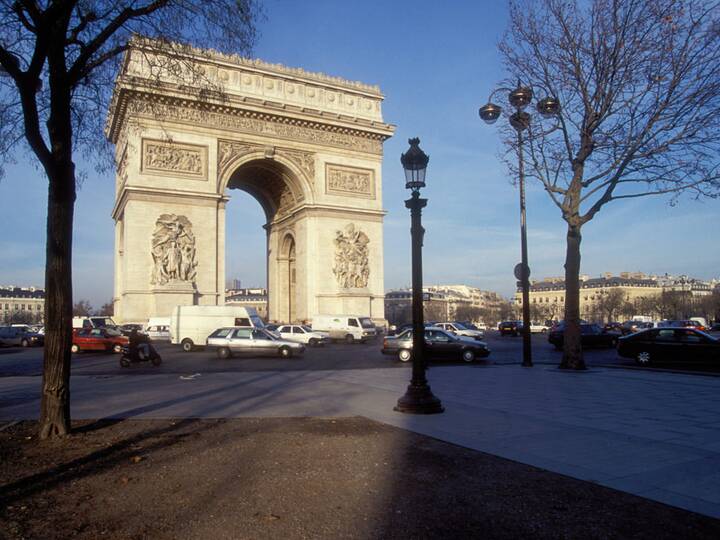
x=187, y=345
x=643, y=358
x=349, y=339
x=117, y=348
x=156, y=360
x=25, y=343
x=404, y=355
x=285, y=352
x=74, y=349
x=543, y=331
x=124, y=362
x=313, y=342
x=223, y=352
x=468, y=355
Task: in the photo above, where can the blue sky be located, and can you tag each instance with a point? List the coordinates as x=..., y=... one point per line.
x=436, y=64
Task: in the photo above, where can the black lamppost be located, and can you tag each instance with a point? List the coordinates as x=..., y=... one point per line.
x=519, y=98
x=418, y=398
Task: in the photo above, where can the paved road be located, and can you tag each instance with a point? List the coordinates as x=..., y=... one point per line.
x=505, y=350
x=337, y=356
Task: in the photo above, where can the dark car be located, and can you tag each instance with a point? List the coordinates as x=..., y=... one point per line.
x=669, y=344
x=439, y=344
x=592, y=336
x=613, y=327
x=126, y=329
x=510, y=328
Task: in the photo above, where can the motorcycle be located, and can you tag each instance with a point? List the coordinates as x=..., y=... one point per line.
x=143, y=353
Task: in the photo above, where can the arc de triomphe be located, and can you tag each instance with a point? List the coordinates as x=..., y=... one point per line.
x=307, y=146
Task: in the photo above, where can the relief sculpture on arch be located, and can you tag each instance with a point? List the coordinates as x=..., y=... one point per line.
x=173, y=250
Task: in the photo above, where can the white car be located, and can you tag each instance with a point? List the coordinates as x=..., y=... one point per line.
x=537, y=328
x=303, y=334
x=461, y=330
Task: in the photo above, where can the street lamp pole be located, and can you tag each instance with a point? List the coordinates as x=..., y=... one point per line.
x=418, y=398
x=525, y=268
x=520, y=97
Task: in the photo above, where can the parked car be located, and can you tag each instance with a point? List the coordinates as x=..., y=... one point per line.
x=613, y=327
x=126, y=329
x=439, y=344
x=459, y=329
x=303, y=334
x=473, y=326
x=669, y=344
x=630, y=327
x=681, y=323
x=510, y=328
x=98, y=339
x=591, y=335
x=158, y=332
x=538, y=328
x=20, y=335
x=233, y=340
x=348, y=328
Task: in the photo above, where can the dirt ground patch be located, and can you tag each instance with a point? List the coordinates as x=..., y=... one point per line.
x=299, y=478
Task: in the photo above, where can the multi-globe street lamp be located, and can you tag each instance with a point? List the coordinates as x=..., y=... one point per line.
x=519, y=98
x=418, y=398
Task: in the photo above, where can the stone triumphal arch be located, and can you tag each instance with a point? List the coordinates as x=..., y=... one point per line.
x=307, y=146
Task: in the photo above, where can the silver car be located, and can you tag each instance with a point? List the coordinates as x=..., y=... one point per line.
x=251, y=342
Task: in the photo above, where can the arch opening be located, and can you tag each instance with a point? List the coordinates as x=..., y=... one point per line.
x=278, y=192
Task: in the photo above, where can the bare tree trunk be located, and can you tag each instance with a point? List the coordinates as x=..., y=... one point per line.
x=572, y=349
x=55, y=403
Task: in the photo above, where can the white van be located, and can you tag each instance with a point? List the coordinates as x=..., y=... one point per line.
x=191, y=325
x=158, y=328
x=349, y=328
x=93, y=322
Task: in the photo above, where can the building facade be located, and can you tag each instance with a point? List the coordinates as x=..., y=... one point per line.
x=249, y=297
x=547, y=296
x=21, y=305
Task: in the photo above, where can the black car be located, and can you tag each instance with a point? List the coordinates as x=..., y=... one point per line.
x=510, y=328
x=658, y=345
x=592, y=335
x=439, y=344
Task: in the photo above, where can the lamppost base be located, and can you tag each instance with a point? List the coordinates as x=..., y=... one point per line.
x=419, y=400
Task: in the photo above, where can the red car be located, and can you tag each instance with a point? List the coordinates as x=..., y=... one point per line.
x=98, y=339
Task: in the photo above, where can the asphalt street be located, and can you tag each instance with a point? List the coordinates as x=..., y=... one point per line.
x=15, y=361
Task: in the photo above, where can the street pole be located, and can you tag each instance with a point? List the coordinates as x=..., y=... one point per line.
x=525, y=281
x=418, y=398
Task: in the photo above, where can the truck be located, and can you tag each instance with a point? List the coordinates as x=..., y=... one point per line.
x=190, y=326
x=348, y=328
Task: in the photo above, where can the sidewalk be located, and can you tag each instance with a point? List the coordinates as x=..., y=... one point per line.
x=656, y=435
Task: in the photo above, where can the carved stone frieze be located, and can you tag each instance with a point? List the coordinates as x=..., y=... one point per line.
x=345, y=181
x=122, y=174
x=174, y=159
x=352, y=267
x=230, y=150
x=236, y=120
x=173, y=250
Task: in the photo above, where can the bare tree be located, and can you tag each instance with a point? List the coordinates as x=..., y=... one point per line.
x=106, y=309
x=82, y=309
x=59, y=59
x=610, y=304
x=639, y=86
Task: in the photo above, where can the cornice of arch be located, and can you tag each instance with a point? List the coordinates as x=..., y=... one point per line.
x=247, y=115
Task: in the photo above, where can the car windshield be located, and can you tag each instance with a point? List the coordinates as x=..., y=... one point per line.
x=306, y=328
x=365, y=322
x=112, y=332
x=460, y=326
x=470, y=326
x=263, y=334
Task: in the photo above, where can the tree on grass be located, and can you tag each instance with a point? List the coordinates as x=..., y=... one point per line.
x=639, y=86
x=610, y=304
x=59, y=61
